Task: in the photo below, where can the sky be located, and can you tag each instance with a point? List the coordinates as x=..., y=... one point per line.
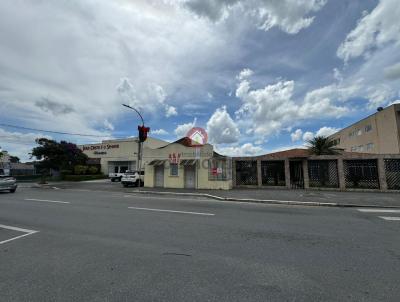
x=258, y=75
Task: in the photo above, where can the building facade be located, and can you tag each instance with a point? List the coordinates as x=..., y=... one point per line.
x=180, y=165
x=378, y=133
x=118, y=156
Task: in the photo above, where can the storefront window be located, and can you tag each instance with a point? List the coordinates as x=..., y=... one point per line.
x=173, y=169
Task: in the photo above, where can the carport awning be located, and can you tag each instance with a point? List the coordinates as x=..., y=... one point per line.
x=188, y=162
x=157, y=162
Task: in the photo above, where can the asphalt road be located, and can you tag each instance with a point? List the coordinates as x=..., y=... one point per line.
x=76, y=245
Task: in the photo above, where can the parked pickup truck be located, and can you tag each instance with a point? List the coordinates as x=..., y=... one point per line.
x=115, y=176
x=133, y=178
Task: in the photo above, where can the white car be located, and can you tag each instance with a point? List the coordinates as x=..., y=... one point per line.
x=115, y=176
x=8, y=183
x=133, y=178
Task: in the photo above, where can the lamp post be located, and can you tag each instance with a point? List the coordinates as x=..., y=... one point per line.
x=141, y=138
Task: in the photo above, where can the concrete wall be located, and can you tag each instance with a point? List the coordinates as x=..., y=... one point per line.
x=385, y=133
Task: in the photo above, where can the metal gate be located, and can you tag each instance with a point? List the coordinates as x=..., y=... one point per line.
x=361, y=174
x=159, y=176
x=246, y=172
x=296, y=174
x=323, y=173
x=273, y=173
x=392, y=168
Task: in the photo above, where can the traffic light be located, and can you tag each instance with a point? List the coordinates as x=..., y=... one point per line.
x=143, y=133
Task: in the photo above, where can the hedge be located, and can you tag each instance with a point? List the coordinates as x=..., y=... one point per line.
x=83, y=177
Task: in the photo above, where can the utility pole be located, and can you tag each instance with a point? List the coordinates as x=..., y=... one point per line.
x=141, y=139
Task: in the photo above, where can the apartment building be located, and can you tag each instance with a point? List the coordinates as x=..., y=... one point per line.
x=378, y=133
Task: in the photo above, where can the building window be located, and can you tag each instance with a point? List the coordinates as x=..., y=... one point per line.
x=361, y=148
x=173, y=169
x=368, y=128
x=359, y=132
x=219, y=169
x=370, y=146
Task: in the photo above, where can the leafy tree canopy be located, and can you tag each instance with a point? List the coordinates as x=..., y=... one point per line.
x=14, y=159
x=321, y=145
x=58, y=155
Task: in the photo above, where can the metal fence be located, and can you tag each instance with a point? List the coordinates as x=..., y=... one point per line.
x=273, y=173
x=361, y=174
x=392, y=169
x=323, y=173
x=246, y=172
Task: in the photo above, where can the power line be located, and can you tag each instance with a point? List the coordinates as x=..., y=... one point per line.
x=50, y=131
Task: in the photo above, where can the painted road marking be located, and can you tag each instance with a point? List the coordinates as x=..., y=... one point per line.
x=390, y=218
x=46, y=200
x=26, y=231
x=379, y=210
x=171, y=211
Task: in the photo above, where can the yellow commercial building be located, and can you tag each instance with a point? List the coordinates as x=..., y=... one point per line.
x=180, y=165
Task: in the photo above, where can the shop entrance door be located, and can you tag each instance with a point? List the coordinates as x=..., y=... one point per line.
x=190, y=177
x=159, y=176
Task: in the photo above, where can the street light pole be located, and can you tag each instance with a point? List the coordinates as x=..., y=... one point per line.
x=140, y=144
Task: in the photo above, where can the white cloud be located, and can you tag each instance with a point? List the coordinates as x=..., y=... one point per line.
x=109, y=42
x=221, y=128
x=170, y=111
x=296, y=136
x=327, y=131
x=183, y=129
x=271, y=109
x=308, y=136
x=18, y=143
x=290, y=16
x=244, y=74
x=374, y=30
x=108, y=125
x=159, y=132
x=148, y=99
x=392, y=72
x=379, y=95
x=243, y=150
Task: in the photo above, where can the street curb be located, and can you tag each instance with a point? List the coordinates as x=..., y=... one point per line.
x=268, y=201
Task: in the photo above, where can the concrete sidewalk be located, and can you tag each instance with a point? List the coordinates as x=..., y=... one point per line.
x=305, y=197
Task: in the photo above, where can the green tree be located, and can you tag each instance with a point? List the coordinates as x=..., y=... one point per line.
x=322, y=145
x=58, y=155
x=14, y=159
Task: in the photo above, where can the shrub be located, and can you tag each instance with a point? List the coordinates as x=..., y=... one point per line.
x=83, y=177
x=93, y=170
x=80, y=169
